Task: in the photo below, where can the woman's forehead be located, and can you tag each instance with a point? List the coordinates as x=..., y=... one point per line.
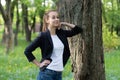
x=53, y=13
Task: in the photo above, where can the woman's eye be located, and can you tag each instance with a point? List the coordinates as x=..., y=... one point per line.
x=53, y=17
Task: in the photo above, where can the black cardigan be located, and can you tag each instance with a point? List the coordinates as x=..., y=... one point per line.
x=44, y=42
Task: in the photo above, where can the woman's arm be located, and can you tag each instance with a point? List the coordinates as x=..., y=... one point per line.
x=75, y=29
x=30, y=48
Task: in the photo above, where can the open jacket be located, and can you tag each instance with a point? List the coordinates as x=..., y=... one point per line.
x=44, y=42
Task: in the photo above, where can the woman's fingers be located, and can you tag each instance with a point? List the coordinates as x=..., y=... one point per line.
x=63, y=23
x=45, y=63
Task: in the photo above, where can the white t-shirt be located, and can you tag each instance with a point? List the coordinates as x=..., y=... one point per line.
x=57, y=54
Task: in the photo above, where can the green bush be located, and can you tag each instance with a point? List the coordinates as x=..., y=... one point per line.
x=110, y=41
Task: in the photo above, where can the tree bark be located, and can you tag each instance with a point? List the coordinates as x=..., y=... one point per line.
x=86, y=49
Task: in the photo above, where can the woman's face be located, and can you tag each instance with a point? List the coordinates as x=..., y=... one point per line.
x=53, y=20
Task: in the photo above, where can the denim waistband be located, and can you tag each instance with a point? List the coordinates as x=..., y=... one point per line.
x=53, y=71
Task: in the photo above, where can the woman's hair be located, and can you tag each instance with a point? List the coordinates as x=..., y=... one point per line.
x=45, y=18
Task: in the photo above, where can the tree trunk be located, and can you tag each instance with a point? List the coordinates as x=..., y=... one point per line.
x=41, y=14
x=17, y=25
x=34, y=21
x=112, y=24
x=25, y=22
x=86, y=49
x=8, y=36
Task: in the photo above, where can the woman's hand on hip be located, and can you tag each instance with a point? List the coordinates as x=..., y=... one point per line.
x=44, y=63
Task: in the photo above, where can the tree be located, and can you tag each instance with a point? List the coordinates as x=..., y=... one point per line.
x=40, y=9
x=17, y=23
x=25, y=21
x=86, y=49
x=111, y=15
x=118, y=17
x=29, y=16
x=7, y=14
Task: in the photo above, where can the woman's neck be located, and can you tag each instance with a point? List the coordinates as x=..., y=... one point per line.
x=52, y=30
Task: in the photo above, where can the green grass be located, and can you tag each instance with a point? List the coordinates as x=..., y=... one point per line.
x=16, y=67
x=112, y=65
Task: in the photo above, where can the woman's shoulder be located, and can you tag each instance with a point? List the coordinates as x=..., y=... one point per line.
x=44, y=34
x=41, y=34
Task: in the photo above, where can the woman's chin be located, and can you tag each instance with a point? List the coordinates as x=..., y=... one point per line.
x=57, y=26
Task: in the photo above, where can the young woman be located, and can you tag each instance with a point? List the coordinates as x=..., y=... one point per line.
x=54, y=46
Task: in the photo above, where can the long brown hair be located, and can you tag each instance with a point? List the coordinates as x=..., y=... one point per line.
x=45, y=18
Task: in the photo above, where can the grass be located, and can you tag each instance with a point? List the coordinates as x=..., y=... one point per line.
x=112, y=65
x=16, y=67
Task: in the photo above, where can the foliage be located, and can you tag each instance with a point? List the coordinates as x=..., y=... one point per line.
x=111, y=13
x=27, y=2
x=1, y=20
x=110, y=40
x=113, y=17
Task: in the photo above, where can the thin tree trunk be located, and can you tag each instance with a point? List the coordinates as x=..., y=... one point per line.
x=41, y=13
x=17, y=25
x=112, y=25
x=25, y=22
x=118, y=27
x=34, y=21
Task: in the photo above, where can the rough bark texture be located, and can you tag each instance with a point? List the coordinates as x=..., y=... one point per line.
x=86, y=49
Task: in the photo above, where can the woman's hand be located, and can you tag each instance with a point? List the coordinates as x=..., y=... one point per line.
x=67, y=24
x=44, y=63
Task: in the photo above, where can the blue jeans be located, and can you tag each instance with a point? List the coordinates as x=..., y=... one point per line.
x=48, y=74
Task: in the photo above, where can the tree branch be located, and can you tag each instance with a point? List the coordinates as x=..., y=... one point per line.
x=2, y=11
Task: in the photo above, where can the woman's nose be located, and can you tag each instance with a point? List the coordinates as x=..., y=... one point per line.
x=57, y=19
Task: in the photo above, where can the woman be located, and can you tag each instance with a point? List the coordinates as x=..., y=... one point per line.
x=54, y=46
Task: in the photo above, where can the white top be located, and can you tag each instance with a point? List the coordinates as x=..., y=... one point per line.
x=57, y=54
